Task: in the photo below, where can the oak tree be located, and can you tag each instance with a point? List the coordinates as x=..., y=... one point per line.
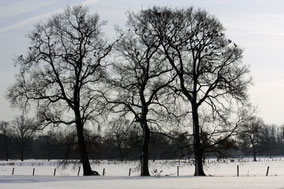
x=209, y=68
x=140, y=77
x=62, y=72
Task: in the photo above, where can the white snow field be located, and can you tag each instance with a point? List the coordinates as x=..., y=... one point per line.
x=222, y=175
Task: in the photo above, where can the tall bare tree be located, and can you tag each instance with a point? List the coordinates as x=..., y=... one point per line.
x=140, y=78
x=5, y=130
x=62, y=72
x=209, y=68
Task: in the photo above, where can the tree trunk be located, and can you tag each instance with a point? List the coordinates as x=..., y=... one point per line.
x=83, y=148
x=197, y=148
x=254, y=154
x=22, y=154
x=48, y=150
x=6, y=147
x=22, y=148
x=145, y=150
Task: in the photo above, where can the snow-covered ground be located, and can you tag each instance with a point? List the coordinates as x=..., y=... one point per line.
x=222, y=175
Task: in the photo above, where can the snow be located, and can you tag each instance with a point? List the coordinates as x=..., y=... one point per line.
x=222, y=175
x=116, y=182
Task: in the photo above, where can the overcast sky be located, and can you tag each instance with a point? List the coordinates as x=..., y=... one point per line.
x=255, y=25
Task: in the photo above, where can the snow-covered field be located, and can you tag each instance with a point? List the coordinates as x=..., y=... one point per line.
x=222, y=175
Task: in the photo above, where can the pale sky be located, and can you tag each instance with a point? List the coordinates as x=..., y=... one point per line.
x=255, y=25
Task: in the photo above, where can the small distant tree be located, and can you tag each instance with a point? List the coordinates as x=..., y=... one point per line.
x=24, y=130
x=47, y=142
x=269, y=141
x=62, y=72
x=5, y=130
x=280, y=134
x=124, y=136
x=252, y=135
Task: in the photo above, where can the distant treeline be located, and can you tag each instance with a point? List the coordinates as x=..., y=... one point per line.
x=125, y=146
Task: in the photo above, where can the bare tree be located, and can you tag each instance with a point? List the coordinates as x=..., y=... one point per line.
x=252, y=134
x=210, y=74
x=122, y=133
x=5, y=130
x=140, y=77
x=62, y=72
x=24, y=130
